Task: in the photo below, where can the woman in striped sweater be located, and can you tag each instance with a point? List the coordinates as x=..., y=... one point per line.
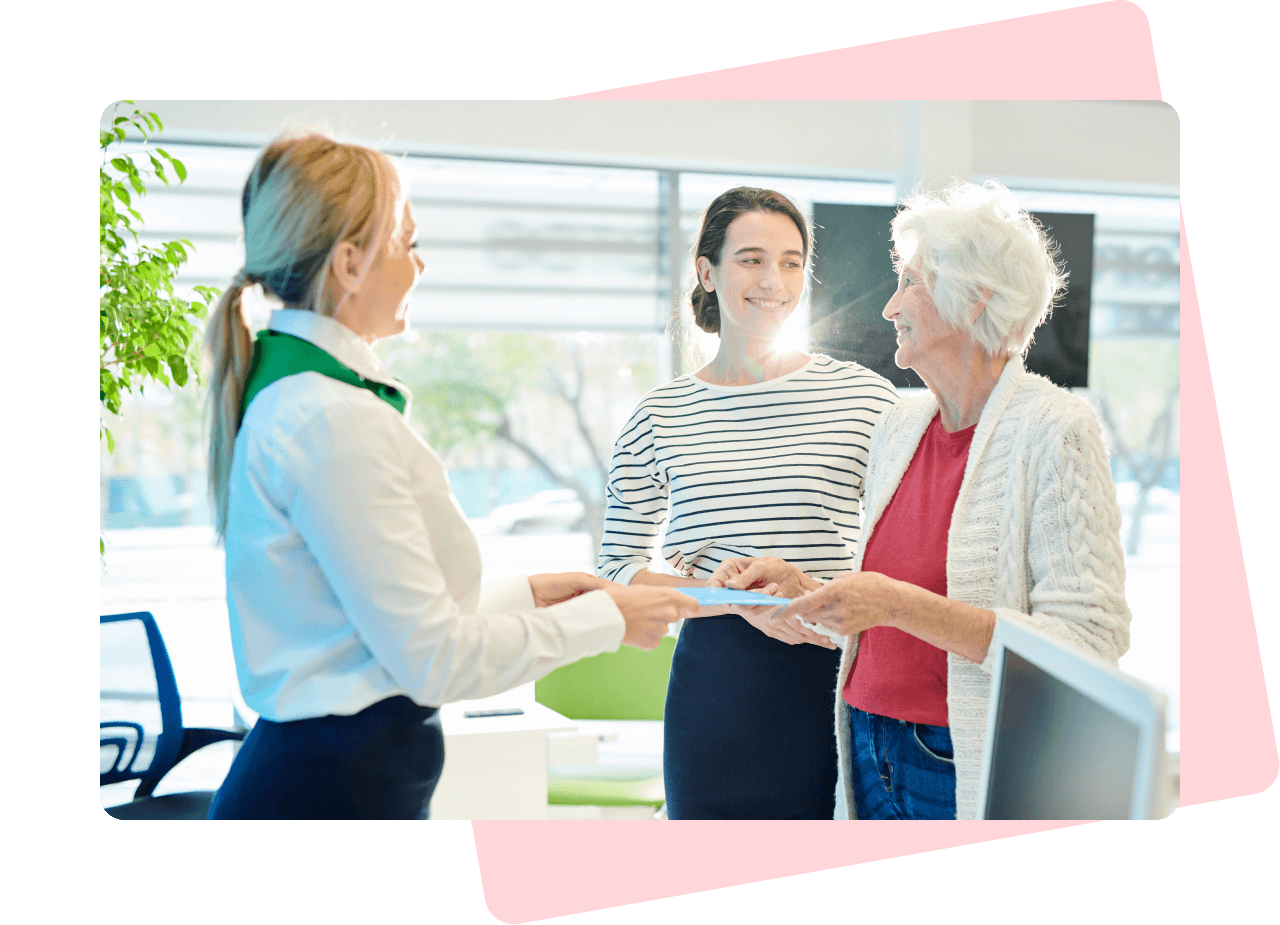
x=760, y=453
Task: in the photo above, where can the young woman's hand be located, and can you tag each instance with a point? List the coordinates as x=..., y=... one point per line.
x=767, y=575
x=776, y=577
x=788, y=630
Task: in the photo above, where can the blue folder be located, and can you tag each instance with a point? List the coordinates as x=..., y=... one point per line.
x=712, y=597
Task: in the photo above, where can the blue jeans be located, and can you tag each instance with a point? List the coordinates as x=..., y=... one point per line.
x=901, y=770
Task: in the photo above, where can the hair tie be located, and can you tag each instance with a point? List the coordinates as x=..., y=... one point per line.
x=244, y=279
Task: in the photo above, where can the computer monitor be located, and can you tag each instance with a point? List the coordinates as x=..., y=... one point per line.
x=1068, y=735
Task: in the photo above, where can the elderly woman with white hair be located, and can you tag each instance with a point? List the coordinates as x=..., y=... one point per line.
x=988, y=498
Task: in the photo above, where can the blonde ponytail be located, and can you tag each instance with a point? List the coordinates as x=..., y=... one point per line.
x=230, y=346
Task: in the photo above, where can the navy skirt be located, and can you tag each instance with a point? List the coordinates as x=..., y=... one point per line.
x=749, y=730
x=380, y=763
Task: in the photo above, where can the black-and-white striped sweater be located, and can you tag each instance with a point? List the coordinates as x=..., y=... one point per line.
x=772, y=469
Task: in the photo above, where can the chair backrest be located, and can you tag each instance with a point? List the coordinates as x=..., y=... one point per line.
x=141, y=714
x=626, y=684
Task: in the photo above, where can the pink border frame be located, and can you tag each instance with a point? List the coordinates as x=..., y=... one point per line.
x=539, y=870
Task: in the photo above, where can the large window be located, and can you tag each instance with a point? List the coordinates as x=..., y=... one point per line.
x=550, y=291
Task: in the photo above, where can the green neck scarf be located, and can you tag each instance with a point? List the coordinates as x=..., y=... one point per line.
x=276, y=355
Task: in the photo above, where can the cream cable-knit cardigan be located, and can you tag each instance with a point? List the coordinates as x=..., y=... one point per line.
x=1035, y=536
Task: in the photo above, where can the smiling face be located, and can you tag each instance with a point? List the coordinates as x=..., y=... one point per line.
x=925, y=340
x=760, y=276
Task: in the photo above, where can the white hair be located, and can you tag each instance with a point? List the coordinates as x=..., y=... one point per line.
x=972, y=244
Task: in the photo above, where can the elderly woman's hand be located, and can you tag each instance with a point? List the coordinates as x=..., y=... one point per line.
x=849, y=604
x=770, y=576
x=853, y=603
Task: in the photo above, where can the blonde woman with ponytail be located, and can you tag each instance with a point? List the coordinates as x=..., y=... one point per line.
x=353, y=582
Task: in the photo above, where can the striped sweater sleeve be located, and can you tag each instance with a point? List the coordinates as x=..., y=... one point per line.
x=636, y=499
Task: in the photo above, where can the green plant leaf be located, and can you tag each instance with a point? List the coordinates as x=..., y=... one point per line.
x=178, y=367
x=147, y=335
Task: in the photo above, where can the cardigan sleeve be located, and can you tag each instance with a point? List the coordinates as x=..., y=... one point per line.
x=1073, y=563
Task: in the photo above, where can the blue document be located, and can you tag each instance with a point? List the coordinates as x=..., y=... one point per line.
x=712, y=597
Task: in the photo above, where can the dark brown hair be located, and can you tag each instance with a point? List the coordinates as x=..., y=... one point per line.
x=715, y=227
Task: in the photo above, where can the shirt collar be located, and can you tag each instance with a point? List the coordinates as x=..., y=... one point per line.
x=333, y=338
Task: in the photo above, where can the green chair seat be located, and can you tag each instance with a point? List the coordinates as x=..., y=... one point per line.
x=604, y=785
x=626, y=684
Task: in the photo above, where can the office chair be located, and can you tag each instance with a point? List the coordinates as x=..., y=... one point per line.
x=628, y=684
x=142, y=737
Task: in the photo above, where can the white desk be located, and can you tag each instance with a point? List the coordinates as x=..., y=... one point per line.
x=495, y=767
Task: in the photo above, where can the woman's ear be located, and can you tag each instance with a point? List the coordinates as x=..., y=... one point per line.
x=703, y=267
x=977, y=308
x=344, y=267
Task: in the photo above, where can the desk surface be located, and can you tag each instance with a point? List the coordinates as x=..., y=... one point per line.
x=535, y=718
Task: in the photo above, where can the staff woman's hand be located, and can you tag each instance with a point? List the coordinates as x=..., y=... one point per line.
x=557, y=587
x=649, y=611
x=774, y=576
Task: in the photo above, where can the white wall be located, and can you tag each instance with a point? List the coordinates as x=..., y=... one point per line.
x=1103, y=146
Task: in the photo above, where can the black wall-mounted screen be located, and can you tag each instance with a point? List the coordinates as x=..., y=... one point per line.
x=854, y=279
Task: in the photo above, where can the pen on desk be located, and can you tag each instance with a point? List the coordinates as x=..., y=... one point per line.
x=507, y=711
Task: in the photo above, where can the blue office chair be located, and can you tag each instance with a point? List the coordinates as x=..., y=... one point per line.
x=142, y=737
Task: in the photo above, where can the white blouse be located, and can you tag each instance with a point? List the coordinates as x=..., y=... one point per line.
x=352, y=575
